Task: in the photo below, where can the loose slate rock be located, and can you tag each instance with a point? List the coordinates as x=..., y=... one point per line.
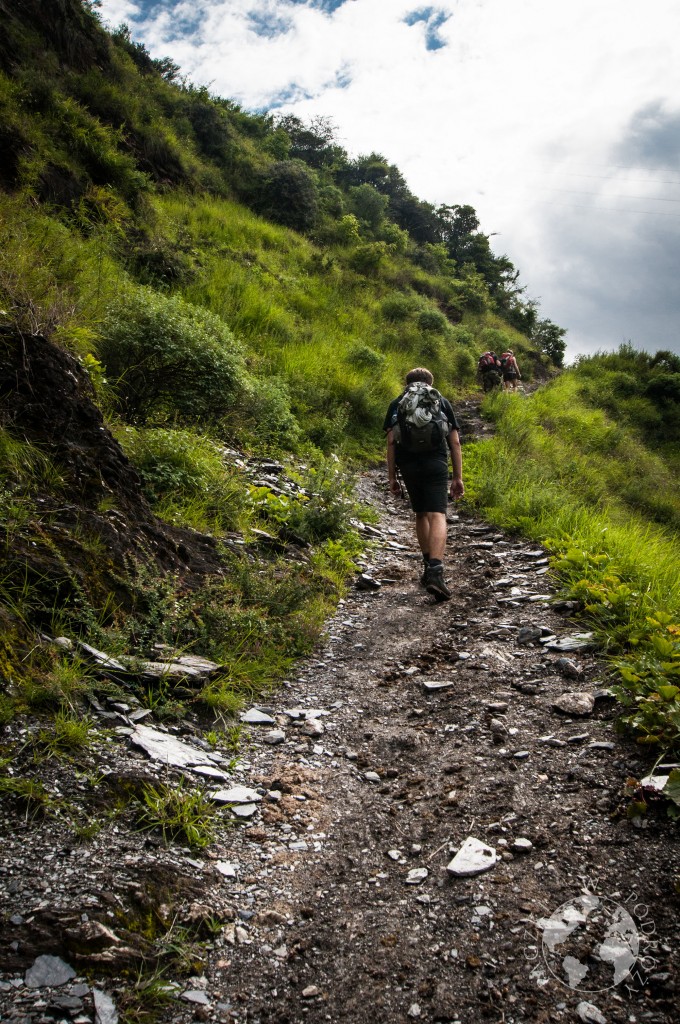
x=104, y=1008
x=416, y=876
x=528, y=635
x=435, y=686
x=590, y=1014
x=255, y=717
x=473, y=858
x=236, y=795
x=577, y=642
x=274, y=737
x=160, y=746
x=365, y=582
x=575, y=703
x=569, y=668
x=49, y=972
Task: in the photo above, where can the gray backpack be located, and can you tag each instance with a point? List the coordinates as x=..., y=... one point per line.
x=421, y=423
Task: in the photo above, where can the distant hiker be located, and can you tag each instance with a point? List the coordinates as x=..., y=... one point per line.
x=422, y=429
x=490, y=370
x=510, y=370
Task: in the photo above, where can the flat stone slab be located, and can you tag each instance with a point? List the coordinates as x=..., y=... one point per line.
x=244, y=810
x=577, y=642
x=160, y=746
x=255, y=717
x=416, y=876
x=473, y=858
x=574, y=703
x=207, y=772
x=101, y=659
x=104, y=1007
x=236, y=795
x=434, y=686
x=48, y=972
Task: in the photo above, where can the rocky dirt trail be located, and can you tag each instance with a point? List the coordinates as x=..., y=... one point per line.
x=415, y=727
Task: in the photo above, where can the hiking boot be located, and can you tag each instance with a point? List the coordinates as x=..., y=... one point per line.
x=433, y=581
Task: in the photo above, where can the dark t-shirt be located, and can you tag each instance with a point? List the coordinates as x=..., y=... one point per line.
x=442, y=452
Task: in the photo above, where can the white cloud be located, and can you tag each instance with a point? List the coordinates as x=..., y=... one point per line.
x=523, y=113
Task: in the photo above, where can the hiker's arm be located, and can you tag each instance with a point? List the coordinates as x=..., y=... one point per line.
x=457, y=488
x=392, y=465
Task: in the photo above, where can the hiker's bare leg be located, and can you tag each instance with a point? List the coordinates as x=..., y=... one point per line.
x=423, y=532
x=437, y=534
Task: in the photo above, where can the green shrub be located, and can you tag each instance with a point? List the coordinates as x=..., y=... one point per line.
x=287, y=193
x=432, y=320
x=167, y=358
x=397, y=308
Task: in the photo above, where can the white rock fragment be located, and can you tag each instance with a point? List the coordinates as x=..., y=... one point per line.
x=160, y=746
x=522, y=845
x=274, y=737
x=48, y=971
x=372, y=777
x=244, y=810
x=236, y=795
x=104, y=1007
x=227, y=868
x=255, y=717
x=196, y=996
x=312, y=727
x=310, y=992
x=575, y=703
x=590, y=1014
x=434, y=686
x=473, y=857
x=394, y=854
x=416, y=876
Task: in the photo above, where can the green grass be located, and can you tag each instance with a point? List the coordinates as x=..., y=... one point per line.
x=559, y=470
x=180, y=813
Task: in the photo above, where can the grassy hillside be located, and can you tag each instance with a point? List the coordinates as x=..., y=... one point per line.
x=186, y=290
x=588, y=466
x=201, y=288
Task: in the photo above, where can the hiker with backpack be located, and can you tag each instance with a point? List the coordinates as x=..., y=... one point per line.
x=490, y=370
x=422, y=430
x=510, y=370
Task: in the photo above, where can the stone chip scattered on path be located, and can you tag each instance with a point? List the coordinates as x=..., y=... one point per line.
x=574, y=703
x=48, y=972
x=473, y=858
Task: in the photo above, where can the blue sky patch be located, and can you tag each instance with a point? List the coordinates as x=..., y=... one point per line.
x=328, y=6
x=433, y=18
x=269, y=26
x=183, y=25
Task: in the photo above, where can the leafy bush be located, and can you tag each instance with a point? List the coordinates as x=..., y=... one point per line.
x=169, y=359
x=287, y=193
x=432, y=320
x=397, y=308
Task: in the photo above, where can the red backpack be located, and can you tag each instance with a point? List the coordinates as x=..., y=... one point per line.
x=487, y=361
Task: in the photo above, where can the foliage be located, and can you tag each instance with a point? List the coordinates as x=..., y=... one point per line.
x=186, y=476
x=287, y=193
x=580, y=479
x=179, y=812
x=167, y=358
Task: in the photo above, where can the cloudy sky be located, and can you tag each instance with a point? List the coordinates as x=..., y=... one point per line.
x=558, y=121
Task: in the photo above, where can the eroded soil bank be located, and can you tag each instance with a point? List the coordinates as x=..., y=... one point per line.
x=321, y=919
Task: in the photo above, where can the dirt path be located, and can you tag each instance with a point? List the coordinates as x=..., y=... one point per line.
x=309, y=904
x=331, y=928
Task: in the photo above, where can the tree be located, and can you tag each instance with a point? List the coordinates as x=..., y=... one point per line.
x=550, y=339
x=287, y=193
